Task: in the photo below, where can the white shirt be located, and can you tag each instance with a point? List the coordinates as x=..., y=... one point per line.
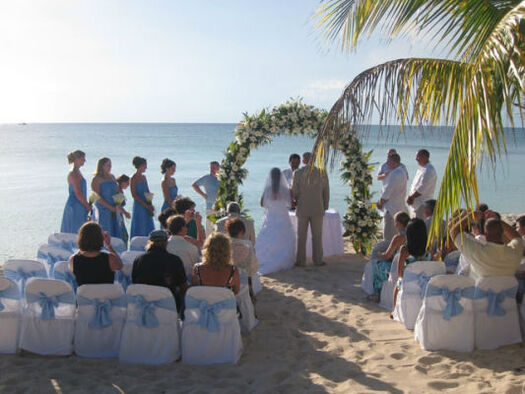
x=288, y=174
x=424, y=183
x=384, y=168
x=187, y=252
x=395, y=190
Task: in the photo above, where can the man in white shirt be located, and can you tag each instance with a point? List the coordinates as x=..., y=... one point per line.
x=384, y=170
x=294, y=161
x=393, y=195
x=423, y=185
x=179, y=246
x=234, y=211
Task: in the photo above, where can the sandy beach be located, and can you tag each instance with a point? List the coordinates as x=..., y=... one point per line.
x=317, y=333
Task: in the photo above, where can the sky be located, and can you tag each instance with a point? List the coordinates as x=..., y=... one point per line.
x=171, y=60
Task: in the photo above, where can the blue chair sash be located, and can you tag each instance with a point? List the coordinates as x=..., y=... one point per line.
x=68, y=277
x=49, y=303
x=11, y=293
x=146, y=309
x=21, y=276
x=123, y=279
x=101, y=318
x=208, y=312
x=494, y=307
x=421, y=278
x=51, y=259
x=452, y=298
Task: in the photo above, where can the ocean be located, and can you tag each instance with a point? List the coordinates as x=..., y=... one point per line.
x=33, y=168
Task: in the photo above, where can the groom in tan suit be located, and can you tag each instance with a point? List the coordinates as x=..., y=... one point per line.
x=311, y=193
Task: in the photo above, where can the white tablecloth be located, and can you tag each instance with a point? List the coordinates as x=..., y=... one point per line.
x=332, y=234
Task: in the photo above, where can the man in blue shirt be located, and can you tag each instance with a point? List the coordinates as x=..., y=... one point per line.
x=211, y=186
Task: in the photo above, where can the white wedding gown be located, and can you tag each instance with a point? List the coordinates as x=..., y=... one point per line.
x=275, y=246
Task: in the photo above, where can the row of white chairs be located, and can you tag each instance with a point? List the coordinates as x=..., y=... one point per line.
x=140, y=325
x=68, y=241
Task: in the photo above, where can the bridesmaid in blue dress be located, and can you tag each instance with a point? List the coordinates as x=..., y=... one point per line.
x=77, y=207
x=168, y=184
x=105, y=185
x=142, y=218
x=123, y=184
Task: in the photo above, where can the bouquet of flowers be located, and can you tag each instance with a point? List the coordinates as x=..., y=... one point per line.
x=118, y=199
x=149, y=200
x=93, y=198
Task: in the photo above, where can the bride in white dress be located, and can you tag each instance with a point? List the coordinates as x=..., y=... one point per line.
x=276, y=243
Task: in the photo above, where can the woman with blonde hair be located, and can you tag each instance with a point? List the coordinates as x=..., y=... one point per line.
x=142, y=219
x=77, y=207
x=216, y=268
x=105, y=185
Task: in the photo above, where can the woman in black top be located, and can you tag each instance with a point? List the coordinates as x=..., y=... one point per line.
x=89, y=264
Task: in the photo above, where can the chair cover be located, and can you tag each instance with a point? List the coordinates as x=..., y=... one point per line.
x=123, y=277
x=387, y=290
x=367, y=281
x=413, y=287
x=20, y=271
x=118, y=245
x=48, y=317
x=496, y=312
x=256, y=283
x=446, y=318
x=151, y=331
x=10, y=315
x=129, y=256
x=247, y=319
x=101, y=314
x=451, y=261
x=49, y=255
x=62, y=272
x=138, y=243
x=66, y=241
x=210, y=332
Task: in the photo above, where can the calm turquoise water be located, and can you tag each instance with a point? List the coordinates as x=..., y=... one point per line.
x=33, y=168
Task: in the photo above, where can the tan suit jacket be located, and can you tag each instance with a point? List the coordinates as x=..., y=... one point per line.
x=311, y=192
x=249, y=235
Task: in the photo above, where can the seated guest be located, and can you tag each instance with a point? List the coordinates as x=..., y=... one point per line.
x=520, y=275
x=157, y=267
x=90, y=265
x=164, y=216
x=216, y=268
x=180, y=245
x=384, y=260
x=495, y=258
x=428, y=213
x=234, y=211
x=186, y=206
x=414, y=250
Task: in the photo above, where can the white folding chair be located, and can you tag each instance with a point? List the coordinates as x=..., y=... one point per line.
x=138, y=243
x=410, y=296
x=210, y=331
x=48, y=317
x=367, y=280
x=118, y=245
x=496, y=312
x=123, y=277
x=20, y=271
x=62, y=272
x=66, y=241
x=129, y=256
x=247, y=320
x=49, y=255
x=151, y=330
x=101, y=315
x=256, y=283
x=10, y=315
x=446, y=318
x=387, y=290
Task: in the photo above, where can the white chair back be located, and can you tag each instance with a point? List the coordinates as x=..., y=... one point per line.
x=123, y=277
x=118, y=245
x=129, y=256
x=451, y=261
x=247, y=320
x=20, y=271
x=446, y=318
x=101, y=315
x=10, y=315
x=151, y=330
x=387, y=290
x=49, y=255
x=496, y=312
x=367, y=280
x=62, y=272
x=48, y=317
x=210, y=332
x=138, y=243
x=410, y=296
x=66, y=241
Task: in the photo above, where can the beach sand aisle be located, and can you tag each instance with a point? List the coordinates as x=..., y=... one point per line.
x=317, y=333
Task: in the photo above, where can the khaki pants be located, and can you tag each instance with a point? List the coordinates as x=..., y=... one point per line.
x=389, y=227
x=316, y=225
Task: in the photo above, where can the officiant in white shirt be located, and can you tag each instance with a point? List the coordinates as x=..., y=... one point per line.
x=423, y=185
x=393, y=195
x=294, y=160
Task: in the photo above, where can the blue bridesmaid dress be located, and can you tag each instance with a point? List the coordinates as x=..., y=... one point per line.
x=141, y=220
x=174, y=190
x=75, y=214
x=107, y=219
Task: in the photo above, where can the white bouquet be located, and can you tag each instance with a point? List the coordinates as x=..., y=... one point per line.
x=149, y=200
x=93, y=197
x=119, y=199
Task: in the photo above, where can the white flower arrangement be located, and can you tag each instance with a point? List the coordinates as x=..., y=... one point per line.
x=149, y=200
x=93, y=197
x=119, y=199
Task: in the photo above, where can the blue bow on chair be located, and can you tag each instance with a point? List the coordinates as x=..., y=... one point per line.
x=146, y=309
x=123, y=279
x=101, y=319
x=208, y=312
x=452, y=298
x=21, y=276
x=422, y=281
x=49, y=303
x=495, y=300
x=10, y=293
x=50, y=259
x=68, y=277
